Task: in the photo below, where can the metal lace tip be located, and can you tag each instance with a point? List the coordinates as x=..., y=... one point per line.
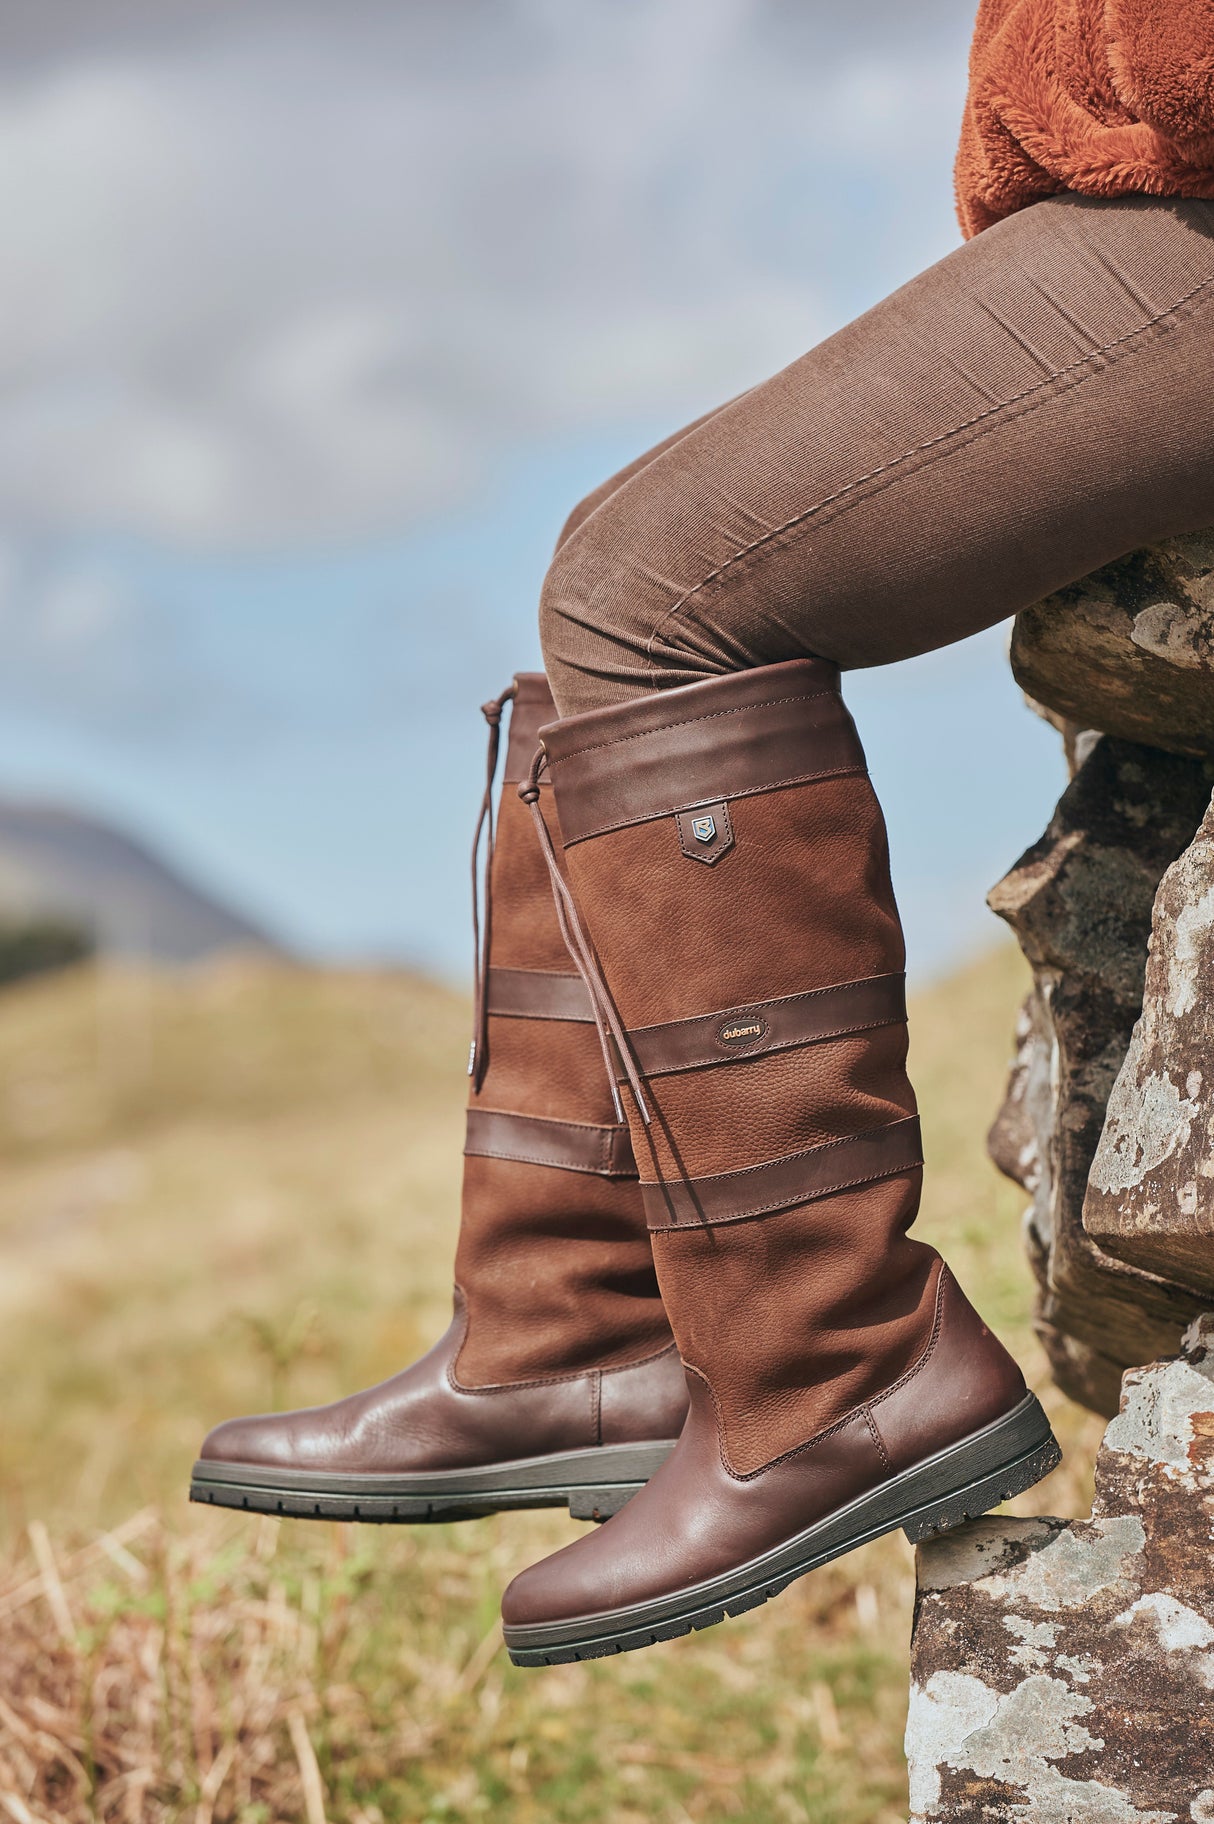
x=472, y=1059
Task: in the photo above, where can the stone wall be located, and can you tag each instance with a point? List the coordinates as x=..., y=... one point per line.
x=1080, y=901
x=1107, y=1119
x=1150, y=1193
x=1130, y=649
x=1063, y=1670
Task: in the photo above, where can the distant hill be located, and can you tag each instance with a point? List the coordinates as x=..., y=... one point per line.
x=59, y=862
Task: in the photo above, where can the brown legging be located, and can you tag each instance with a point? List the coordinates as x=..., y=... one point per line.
x=1040, y=402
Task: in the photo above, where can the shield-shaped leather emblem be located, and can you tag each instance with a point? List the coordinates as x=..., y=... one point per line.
x=705, y=832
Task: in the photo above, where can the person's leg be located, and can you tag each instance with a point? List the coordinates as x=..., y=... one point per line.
x=1030, y=408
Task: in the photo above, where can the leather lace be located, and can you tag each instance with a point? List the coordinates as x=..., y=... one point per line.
x=478, y=1053
x=606, y=1019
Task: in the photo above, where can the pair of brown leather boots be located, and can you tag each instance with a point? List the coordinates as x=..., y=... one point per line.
x=713, y=1308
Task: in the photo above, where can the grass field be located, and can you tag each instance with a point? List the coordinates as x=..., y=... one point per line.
x=239, y=1188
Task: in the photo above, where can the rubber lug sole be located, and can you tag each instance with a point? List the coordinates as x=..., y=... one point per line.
x=956, y=1485
x=978, y=1498
x=593, y=1484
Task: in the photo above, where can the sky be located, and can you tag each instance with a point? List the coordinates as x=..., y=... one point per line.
x=317, y=320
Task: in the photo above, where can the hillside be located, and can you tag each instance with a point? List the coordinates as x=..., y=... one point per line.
x=55, y=860
x=238, y=1187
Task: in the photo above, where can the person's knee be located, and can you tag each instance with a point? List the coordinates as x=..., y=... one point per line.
x=605, y=623
x=585, y=507
x=592, y=620
x=564, y=637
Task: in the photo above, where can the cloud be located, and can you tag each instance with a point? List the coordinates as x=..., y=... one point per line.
x=316, y=317
x=279, y=272
x=82, y=647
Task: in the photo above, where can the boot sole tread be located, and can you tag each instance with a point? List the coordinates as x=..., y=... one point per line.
x=613, y=1474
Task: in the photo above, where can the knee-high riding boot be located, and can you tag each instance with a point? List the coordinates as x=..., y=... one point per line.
x=558, y=1379
x=732, y=909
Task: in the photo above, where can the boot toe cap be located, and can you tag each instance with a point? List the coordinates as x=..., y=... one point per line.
x=263, y=1439
x=544, y=1592
x=593, y=1576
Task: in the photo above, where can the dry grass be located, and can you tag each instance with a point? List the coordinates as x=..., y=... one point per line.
x=240, y=1188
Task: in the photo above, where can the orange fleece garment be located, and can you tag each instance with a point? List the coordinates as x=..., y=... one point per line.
x=1106, y=97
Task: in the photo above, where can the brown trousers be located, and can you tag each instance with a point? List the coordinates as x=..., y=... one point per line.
x=1039, y=403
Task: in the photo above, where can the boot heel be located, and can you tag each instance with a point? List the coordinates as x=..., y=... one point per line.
x=600, y=1503
x=973, y=1499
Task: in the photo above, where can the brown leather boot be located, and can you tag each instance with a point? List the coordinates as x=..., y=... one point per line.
x=727, y=856
x=558, y=1379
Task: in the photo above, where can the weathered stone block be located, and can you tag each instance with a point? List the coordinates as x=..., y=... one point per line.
x=1129, y=649
x=1080, y=902
x=1150, y=1196
x=1063, y=1670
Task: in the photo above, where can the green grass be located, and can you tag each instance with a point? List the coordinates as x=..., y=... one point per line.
x=239, y=1188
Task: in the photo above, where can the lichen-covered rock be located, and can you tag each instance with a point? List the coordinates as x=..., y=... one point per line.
x=1150, y=1196
x=1129, y=649
x=1080, y=902
x=1063, y=1670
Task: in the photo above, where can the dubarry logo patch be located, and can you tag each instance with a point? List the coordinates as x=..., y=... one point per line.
x=741, y=1029
x=703, y=828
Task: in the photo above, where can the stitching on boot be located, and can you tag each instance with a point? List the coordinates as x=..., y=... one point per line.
x=823, y=1146
x=694, y=1227
x=781, y=1000
x=933, y=1339
x=749, y=1475
x=712, y=715
x=863, y=1410
x=641, y=1361
x=877, y=1439
x=858, y=771
x=542, y=1380
x=776, y=1048
x=605, y=1168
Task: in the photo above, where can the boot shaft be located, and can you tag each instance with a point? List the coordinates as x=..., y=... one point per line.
x=554, y=1262
x=729, y=857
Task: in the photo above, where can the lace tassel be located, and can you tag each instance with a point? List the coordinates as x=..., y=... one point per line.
x=606, y=1019
x=478, y=1053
